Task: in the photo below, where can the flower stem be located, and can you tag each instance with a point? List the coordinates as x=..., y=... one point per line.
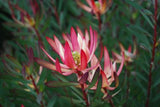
x=109, y=99
x=37, y=90
x=56, y=13
x=38, y=35
x=153, y=54
x=99, y=21
x=83, y=90
x=34, y=84
x=128, y=85
x=111, y=102
x=84, y=95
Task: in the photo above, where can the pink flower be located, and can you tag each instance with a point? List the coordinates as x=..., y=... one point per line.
x=26, y=20
x=109, y=74
x=75, y=54
x=97, y=7
x=129, y=55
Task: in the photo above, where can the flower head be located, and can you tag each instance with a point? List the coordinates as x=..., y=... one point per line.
x=98, y=7
x=75, y=54
x=26, y=19
x=109, y=73
x=129, y=55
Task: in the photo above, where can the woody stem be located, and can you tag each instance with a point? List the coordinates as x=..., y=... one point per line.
x=83, y=90
x=99, y=21
x=37, y=90
x=110, y=99
x=153, y=53
x=38, y=35
x=34, y=84
x=84, y=95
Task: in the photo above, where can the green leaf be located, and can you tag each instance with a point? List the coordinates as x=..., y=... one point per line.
x=75, y=101
x=139, y=75
x=60, y=84
x=156, y=83
x=156, y=98
x=46, y=24
x=95, y=78
x=98, y=91
x=73, y=88
x=13, y=62
x=144, y=12
x=52, y=101
x=134, y=4
x=147, y=19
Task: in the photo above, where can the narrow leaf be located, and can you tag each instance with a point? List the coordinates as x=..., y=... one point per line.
x=84, y=78
x=60, y=84
x=52, y=101
x=95, y=78
x=98, y=91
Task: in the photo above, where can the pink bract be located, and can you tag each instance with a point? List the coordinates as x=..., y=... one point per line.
x=129, y=55
x=75, y=54
x=98, y=7
x=109, y=74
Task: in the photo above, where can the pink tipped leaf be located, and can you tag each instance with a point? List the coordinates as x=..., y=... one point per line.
x=52, y=43
x=105, y=83
x=60, y=48
x=54, y=61
x=45, y=64
x=52, y=67
x=129, y=49
x=122, y=63
x=87, y=38
x=66, y=38
x=106, y=60
x=79, y=31
x=89, y=2
x=58, y=67
x=93, y=43
x=92, y=39
x=69, y=61
x=83, y=64
x=86, y=8
x=74, y=40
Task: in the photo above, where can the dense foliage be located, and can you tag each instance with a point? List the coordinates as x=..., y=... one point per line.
x=126, y=27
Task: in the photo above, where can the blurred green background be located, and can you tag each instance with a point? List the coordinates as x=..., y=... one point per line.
x=124, y=20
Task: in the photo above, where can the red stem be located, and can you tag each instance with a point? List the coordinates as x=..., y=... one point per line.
x=109, y=99
x=56, y=14
x=39, y=37
x=84, y=95
x=128, y=75
x=34, y=84
x=99, y=21
x=111, y=102
x=153, y=54
x=37, y=90
x=83, y=90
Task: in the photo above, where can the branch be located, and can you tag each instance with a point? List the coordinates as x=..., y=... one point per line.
x=153, y=54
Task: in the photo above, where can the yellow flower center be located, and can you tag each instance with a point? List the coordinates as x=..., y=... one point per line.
x=97, y=4
x=76, y=57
